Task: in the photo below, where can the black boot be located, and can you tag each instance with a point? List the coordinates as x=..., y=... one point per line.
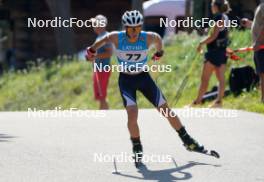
x=137, y=148
x=189, y=142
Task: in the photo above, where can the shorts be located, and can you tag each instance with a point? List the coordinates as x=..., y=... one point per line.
x=129, y=84
x=217, y=57
x=100, y=83
x=259, y=61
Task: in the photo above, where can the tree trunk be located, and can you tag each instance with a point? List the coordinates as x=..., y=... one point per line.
x=137, y=5
x=198, y=9
x=64, y=35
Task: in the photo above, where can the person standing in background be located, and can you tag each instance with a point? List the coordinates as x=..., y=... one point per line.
x=101, y=77
x=257, y=31
x=215, y=57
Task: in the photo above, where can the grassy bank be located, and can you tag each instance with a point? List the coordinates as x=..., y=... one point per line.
x=70, y=84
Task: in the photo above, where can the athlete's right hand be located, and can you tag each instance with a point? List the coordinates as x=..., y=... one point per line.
x=90, y=54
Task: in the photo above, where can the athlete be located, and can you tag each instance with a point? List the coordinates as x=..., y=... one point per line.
x=131, y=47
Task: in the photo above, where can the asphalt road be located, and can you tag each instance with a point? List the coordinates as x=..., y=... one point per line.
x=96, y=147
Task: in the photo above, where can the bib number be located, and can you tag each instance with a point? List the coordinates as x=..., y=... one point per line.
x=134, y=56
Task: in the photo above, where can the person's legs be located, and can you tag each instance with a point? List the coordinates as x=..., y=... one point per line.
x=132, y=115
x=259, y=63
x=103, y=104
x=206, y=75
x=151, y=91
x=127, y=86
x=175, y=122
x=220, y=75
x=1, y=69
x=100, y=84
x=170, y=116
x=104, y=79
x=98, y=95
x=261, y=76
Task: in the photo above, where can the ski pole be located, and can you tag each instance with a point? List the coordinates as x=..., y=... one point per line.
x=231, y=53
x=184, y=81
x=97, y=80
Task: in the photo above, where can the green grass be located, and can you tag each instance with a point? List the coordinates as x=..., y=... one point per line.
x=70, y=84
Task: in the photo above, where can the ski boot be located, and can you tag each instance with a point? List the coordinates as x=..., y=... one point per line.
x=137, y=151
x=188, y=142
x=191, y=145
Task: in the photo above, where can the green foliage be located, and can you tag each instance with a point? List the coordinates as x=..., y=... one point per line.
x=70, y=84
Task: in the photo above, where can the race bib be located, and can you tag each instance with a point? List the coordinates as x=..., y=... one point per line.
x=132, y=56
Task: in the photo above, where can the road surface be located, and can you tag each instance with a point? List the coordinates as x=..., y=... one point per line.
x=96, y=147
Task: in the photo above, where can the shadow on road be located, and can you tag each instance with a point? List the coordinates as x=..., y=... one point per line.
x=5, y=137
x=165, y=175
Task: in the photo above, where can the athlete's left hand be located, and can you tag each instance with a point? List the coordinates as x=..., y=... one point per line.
x=157, y=55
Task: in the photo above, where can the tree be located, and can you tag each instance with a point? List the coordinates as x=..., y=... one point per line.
x=64, y=36
x=137, y=5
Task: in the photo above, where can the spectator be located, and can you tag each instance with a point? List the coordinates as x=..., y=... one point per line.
x=215, y=57
x=257, y=30
x=101, y=77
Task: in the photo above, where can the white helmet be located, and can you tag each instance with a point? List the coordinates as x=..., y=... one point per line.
x=132, y=18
